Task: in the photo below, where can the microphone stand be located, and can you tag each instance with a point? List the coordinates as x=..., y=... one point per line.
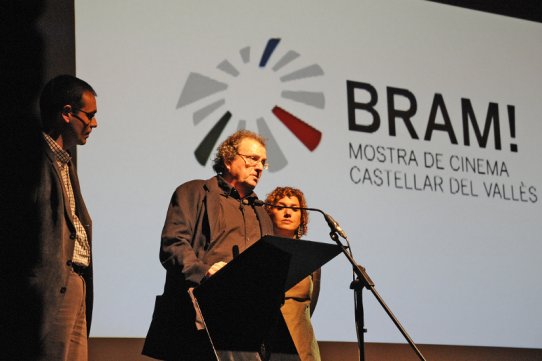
x=362, y=281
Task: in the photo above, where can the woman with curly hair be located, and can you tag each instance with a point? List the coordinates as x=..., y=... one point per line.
x=301, y=299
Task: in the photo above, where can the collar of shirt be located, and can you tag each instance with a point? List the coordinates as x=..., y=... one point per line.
x=229, y=191
x=60, y=154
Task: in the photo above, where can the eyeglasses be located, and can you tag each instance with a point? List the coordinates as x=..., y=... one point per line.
x=254, y=160
x=90, y=116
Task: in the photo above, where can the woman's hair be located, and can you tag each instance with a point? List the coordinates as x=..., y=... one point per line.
x=280, y=192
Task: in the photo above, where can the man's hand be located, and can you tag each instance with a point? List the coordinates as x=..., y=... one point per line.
x=214, y=268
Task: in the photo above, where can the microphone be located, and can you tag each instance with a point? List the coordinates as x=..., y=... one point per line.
x=330, y=221
x=252, y=201
x=235, y=251
x=258, y=202
x=334, y=225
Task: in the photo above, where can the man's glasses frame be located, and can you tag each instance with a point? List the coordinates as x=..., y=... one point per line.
x=89, y=116
x=253, y=160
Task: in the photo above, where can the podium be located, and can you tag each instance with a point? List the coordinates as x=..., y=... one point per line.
x=240, y=302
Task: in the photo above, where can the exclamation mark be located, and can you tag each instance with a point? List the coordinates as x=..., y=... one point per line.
x=512, y=121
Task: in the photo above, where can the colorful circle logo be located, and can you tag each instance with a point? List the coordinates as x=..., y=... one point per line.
x=241, y=88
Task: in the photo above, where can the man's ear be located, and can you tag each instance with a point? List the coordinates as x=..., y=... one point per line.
x=66, y=110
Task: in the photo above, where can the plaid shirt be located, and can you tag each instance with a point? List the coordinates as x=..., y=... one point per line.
x=81, y=250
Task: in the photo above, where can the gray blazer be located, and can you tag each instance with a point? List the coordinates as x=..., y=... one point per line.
x=37, y=246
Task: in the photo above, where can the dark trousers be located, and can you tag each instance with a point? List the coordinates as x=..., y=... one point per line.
x=68, y=340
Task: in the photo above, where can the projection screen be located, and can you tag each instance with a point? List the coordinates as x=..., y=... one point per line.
x=415, y=125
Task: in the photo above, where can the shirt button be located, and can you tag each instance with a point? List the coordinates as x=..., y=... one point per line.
x=72, y=236
x=69, y=263
x=63, y=290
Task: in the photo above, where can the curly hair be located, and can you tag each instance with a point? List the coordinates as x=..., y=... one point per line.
x=280, y=192
x=228, y=149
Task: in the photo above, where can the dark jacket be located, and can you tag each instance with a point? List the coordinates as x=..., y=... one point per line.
x=37, y=238
x=193, y=220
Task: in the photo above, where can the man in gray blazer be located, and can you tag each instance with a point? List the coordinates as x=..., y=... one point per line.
x=207, y=223
x=47, y=279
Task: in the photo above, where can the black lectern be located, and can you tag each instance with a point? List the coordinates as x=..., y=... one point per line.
x=240, y=302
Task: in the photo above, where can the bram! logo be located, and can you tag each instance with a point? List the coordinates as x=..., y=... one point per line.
x=257, y=81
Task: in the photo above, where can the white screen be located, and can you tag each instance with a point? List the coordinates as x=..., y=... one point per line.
x=456, y=260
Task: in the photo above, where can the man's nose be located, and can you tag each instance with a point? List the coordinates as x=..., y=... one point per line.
x=259, y=166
